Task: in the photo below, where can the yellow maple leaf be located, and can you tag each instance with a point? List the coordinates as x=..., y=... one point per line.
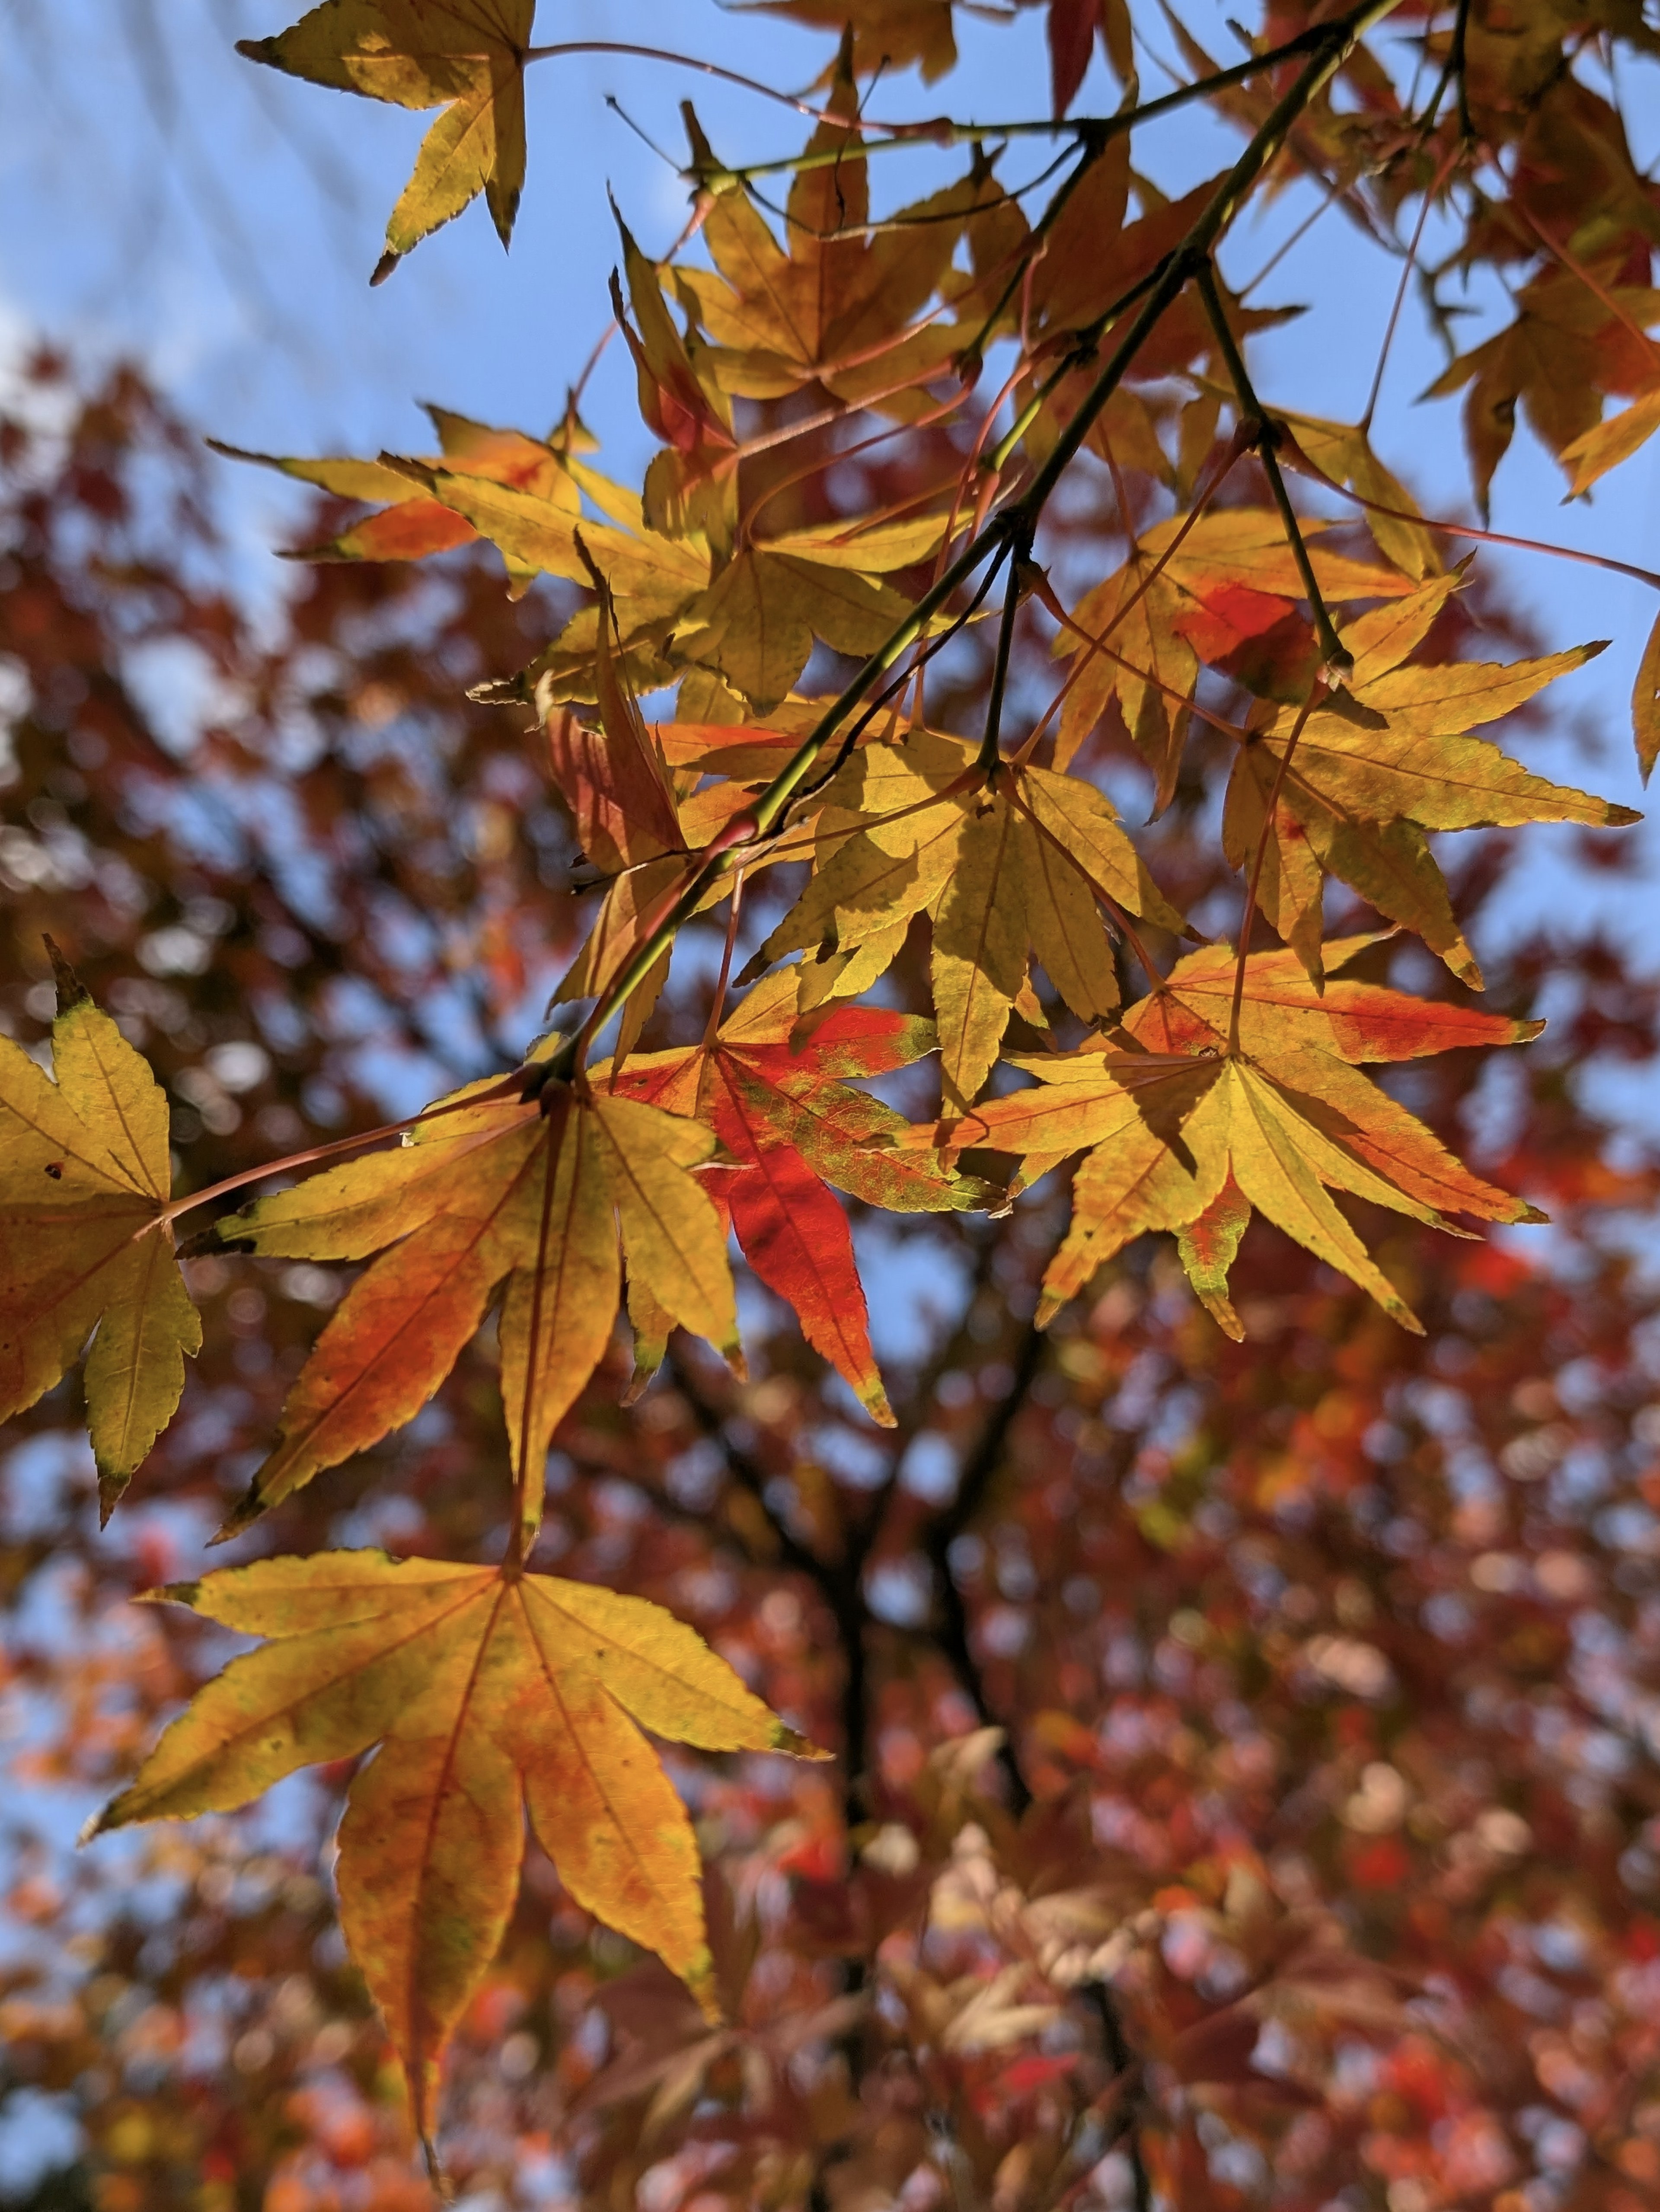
x=1003, y=866
x=85, y=1240
x=1386, y=760
x=489, y=1694
x=1175, y=1118
x=466, y=57
x=1592, y=455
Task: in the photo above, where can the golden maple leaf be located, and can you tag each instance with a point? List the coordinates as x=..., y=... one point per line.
x=1388, y=760
x=86, y=1240
x=489, y=1694
x=1003, y=866
x=466, y=57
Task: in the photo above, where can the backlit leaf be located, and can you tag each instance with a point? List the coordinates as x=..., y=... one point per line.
x=1169, y=1119
x=461, y=1207
x=784, y=1114
x=85, y=1243
x=490, y=1696
x=466, y=57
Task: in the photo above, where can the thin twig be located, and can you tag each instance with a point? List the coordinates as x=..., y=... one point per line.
x=718, y=1004
x=1300, y=461
x=1266, y=434
x=1440, y=179
x=507, y=1088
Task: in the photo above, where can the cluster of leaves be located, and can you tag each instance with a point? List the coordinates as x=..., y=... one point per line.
x=832, y=503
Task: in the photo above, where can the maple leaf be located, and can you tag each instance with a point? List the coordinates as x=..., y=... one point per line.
x=1187, y=1134
x=86, y=1241
x=1385, y=762
x=490, y=1695
x=754, y=619
x=481, y=1194
x=692, y=485
x=1343, y=452
x=410, y=524
x=1002, y=867
x=837, y=308
x=783, y=1109
x=1565, y=348
x=1232, y=577
x=536, y=528
x=1093, y=257
x=757, y=621
x=652, y=578
x=466, y=57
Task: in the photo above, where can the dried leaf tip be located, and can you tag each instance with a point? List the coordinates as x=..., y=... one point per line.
x=798, y=1745
x=169, y=1594
x=71, y=991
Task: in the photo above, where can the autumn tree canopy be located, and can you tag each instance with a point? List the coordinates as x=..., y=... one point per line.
x=1148, y=1699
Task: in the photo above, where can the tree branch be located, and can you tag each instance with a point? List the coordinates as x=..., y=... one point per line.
x=839, y=1583
x=978, y=1474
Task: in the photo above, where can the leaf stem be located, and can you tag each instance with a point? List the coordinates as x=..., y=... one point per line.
x=1077, y=356
x=1095, y=145
x=1430, y=196
x=507, y=1087
x=1299, y=460
x=943, y=131
x=522, y=1532
x=718, y=1004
